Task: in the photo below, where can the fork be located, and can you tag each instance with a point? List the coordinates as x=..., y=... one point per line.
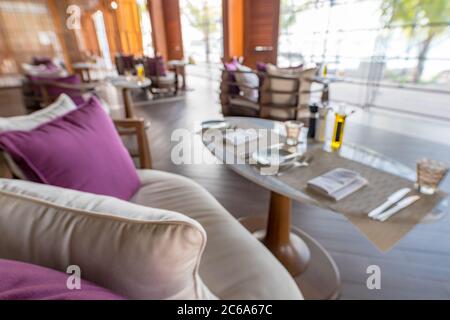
x=298, y=164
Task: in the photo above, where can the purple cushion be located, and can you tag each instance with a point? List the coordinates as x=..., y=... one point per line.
x=261, y=67
x=80, y=151
x=155, y=67
x=57, y=91
x=232, y=66
x=23, y=281
x=128, y=62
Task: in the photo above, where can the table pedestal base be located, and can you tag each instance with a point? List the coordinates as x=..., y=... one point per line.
x=307, y=261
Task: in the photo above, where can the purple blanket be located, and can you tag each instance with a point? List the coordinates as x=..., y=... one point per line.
x=22, y=281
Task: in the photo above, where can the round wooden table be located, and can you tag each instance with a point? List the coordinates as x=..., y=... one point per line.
x=126, y=84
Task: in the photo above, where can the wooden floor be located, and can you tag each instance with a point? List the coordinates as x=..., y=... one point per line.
x=417, y=268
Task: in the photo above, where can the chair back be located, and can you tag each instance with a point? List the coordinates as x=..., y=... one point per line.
x=238, y=97
x=279, y=97
x=154, y=67
x=125, y=63
x=40, y=92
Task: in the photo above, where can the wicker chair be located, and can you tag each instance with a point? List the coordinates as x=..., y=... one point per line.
x=232, y=98
x=162, y=84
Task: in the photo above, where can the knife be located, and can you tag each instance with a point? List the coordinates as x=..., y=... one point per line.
x=399, y=206
x=396, y=196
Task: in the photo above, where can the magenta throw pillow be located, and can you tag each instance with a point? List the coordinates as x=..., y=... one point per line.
x=23, y=281
x=232, y=66
x=155, y=67
x=80, y=150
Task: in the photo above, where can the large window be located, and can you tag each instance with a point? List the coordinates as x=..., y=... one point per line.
x=202, y=30
x=388, y=54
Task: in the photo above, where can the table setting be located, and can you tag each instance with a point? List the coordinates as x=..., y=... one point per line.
x=382, y=198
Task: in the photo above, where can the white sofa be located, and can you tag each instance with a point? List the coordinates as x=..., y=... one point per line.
x=153, y=250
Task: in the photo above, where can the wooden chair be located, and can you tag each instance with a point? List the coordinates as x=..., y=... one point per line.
x=279, y=97
x=233, y=101
x=136, y=128
x=125, y=64
x=162, y=84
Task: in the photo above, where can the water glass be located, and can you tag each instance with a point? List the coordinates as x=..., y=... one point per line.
x=293, y=129
x=430, y=173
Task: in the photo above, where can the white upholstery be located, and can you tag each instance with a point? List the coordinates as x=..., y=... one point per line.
x=135, y=251
x=302, y=74
x=280, y=113
x=244, y=103
x=246, y=79
x=235, y=265
x=29, y=122
x=169, y=78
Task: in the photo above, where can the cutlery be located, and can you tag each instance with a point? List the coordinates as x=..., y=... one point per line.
x=398, y=207
x=395, y=197
x=303, y=163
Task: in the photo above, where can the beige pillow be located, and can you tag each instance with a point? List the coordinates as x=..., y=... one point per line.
x=298, y=73
x=288, y=83
x=135, y=251
x=246, y=78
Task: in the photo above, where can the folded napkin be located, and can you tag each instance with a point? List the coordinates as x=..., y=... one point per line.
x=338, y=183
x=240, y=136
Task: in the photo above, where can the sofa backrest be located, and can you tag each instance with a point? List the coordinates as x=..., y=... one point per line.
x=135, y=251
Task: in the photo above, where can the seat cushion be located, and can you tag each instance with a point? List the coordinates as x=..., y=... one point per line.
x=235, y=265
x=168, y=78
x=244, y=103
x=24, y=281
x=137, y=252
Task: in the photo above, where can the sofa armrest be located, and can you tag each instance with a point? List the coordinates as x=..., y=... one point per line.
x=136, y=127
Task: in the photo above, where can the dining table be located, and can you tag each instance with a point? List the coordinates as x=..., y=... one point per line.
x=126, y=84
x=313, y=268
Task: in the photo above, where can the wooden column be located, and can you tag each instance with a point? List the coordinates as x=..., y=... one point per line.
x=261, y=27
x=66, y=37
x=166, y=28
x=233, y=28
x=155, y=8
x=129, y=27
x=172, y=20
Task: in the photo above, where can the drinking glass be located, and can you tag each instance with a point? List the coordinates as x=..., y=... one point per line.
x=140, y=72
x=430, y=173
x=293, y=129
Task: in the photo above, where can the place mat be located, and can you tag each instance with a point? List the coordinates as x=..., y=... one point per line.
x=355, y=207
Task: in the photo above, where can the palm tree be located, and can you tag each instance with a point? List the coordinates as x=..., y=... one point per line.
x=204, y=18
x=415, y=13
